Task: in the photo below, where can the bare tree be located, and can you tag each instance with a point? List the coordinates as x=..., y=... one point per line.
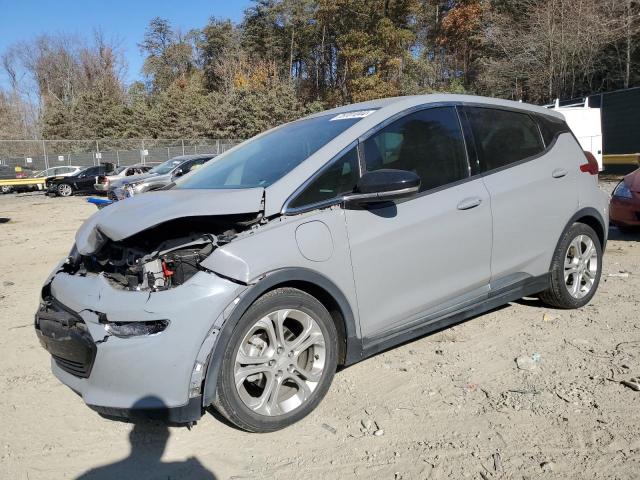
x=554, y=50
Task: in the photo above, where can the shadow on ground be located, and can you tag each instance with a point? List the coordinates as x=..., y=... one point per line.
x=630, y=235
x=148, y=442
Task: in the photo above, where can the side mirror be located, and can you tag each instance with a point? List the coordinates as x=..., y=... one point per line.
x=384, y=185
x=178, y=172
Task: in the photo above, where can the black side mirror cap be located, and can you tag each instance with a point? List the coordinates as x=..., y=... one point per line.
x=384, y=185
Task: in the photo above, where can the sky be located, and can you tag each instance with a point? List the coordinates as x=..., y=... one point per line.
x=122, y=21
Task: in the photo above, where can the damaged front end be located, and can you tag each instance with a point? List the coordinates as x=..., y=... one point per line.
x=162, y=257
x=111, y=315
x=64, y=334
x=156, y=241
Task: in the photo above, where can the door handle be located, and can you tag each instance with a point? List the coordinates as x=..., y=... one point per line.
x=559, y=173
x=469, y=203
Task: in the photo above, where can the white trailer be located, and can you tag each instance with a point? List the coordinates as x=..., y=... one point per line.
x=586, y=124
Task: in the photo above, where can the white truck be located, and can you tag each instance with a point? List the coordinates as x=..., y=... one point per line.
x=586, y=124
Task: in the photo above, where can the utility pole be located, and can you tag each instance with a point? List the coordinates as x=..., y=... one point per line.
x=44, y=152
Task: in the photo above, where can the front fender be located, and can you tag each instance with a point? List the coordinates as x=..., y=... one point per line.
x=268, y=282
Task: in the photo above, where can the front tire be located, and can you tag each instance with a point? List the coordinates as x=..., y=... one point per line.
x=575, y=269
x=279, y=362
x=65, y=190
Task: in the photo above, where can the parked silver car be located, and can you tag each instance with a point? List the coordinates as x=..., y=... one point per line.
x=158, y=177
x=104, y=181
x=317, y=244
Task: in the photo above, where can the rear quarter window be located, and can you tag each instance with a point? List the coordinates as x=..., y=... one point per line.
x=551, y=128
x=504, y=137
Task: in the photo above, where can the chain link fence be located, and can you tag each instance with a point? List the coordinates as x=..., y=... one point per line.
x=43, y=154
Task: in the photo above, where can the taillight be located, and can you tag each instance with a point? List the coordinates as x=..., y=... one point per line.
x=591, y=166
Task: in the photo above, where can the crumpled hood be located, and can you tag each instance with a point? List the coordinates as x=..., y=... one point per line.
x=133, y=215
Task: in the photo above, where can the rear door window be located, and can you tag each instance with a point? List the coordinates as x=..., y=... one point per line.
x=504, y=137
x=428, y=143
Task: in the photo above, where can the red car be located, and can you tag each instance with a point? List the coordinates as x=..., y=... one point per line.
x=624, y=209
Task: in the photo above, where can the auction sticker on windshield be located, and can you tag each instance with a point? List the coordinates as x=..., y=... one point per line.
x=350, y=115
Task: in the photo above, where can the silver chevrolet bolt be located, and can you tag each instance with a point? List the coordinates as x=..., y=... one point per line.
x=246, y=283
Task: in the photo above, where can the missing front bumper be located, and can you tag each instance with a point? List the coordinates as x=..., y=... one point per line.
x=65, y=336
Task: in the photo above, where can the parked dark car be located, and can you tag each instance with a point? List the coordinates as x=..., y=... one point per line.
x=81, y=182
x=624, y=209
x=158, y=177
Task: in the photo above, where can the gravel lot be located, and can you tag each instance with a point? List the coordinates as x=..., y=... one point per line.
x=451, y=405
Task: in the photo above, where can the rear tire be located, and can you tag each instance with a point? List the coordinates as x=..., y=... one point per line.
x=278, y=363
x=576, y=268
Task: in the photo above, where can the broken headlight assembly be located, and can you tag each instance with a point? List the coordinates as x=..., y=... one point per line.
x=135, y=329
x=169, y=264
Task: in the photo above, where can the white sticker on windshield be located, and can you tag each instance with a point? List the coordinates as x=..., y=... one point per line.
x=350, y=115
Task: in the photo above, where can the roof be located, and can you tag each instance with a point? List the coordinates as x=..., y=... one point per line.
x=415, y=100
x=385, y=109
x=197, y=156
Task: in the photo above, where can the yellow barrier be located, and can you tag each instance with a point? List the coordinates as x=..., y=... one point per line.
x=627, y=159
x=15, y=182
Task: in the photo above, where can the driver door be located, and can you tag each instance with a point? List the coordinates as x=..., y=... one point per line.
x=430, y=253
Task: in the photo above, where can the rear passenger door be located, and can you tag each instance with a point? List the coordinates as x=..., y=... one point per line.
x=428, y=254
x=532, y=189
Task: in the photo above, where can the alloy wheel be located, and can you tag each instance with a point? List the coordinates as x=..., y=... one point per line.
x=65, y=190
x=580, y=266
x=280, y=362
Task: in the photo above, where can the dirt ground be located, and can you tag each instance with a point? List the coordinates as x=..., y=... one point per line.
x=451, y=405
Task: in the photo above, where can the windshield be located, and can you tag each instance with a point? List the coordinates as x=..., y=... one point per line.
x=264, y=160
x=165, y=167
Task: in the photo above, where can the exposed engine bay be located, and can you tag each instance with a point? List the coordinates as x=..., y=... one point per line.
x=161, y=257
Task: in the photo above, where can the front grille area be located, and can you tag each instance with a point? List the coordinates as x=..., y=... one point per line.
x=79, y=369
x=64, y=335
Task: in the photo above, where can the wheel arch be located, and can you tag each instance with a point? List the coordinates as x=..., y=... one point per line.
x=596, y=223
x=590, y=217
x=309, y=281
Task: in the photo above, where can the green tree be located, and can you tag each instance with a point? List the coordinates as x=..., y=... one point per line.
x=169, y=54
